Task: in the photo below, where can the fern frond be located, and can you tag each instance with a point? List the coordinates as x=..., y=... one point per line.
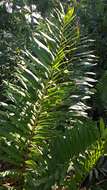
x=40, y=132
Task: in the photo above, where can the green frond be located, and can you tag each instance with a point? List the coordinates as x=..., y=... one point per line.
x=45, y=123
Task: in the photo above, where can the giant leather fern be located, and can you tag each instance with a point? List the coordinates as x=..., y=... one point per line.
x=41, y=128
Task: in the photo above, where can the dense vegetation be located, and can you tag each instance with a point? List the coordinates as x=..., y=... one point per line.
x=53, y=104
